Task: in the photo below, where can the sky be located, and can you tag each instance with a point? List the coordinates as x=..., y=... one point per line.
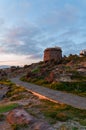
x=27, y=27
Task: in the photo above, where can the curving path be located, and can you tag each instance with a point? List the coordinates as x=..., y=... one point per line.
x=53, y=95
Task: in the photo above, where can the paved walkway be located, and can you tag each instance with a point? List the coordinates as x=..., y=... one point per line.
x=57, y=96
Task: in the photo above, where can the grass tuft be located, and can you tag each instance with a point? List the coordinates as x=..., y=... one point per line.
x=6, y=108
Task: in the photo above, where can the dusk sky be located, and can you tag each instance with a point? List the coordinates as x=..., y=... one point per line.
x=27, y=27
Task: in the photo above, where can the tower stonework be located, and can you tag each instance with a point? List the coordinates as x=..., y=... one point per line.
x=53, y=54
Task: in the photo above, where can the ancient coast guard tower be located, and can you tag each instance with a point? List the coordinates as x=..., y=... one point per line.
x=54, y=53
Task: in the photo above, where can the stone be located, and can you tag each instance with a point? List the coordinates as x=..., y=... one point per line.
x=19, y=116
x=41, y=126
x=65, y=78
x=82, y=70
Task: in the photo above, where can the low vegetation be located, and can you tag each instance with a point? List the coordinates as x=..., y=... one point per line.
x=6, y=82
x=19, y=127
x=2, y=117
x=74, y=59
x=14, y=92
x=78, y=88
x=59, y=112
x=8, y=107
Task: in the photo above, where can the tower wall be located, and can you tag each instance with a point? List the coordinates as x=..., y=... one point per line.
x=52, y=54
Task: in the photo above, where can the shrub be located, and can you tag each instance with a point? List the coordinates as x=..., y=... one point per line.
x=36, y=70
x=69, y=86
x=62, y=116
x=18, y=126
x=2, y=117
x=15, y=90
x=17, y=97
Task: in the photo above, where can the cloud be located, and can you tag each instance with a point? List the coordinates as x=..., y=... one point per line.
x=22, y=40
x=2, y=24
x=1, y=21
x=37, y=56
x=71, y=40
x=68, y=46
x=82, y=45
x=2, y=49
x=14, y=59
x=63, y=17
x=75, y=34
x=30, y=40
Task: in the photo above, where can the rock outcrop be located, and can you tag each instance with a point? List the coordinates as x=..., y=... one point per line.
x=19, y=116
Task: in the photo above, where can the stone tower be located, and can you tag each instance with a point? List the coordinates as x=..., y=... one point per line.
x=53, y=54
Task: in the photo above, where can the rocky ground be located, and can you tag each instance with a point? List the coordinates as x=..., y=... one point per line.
x=21, y=110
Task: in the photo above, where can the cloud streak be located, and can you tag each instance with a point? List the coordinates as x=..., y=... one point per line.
x=58, y=18
x=30, y=40
x=21, y=40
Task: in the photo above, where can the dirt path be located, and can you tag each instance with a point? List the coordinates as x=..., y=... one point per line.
x=57, y=96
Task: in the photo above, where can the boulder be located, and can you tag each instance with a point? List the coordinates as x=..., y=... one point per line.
x=19, y=116
x=50, y=78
